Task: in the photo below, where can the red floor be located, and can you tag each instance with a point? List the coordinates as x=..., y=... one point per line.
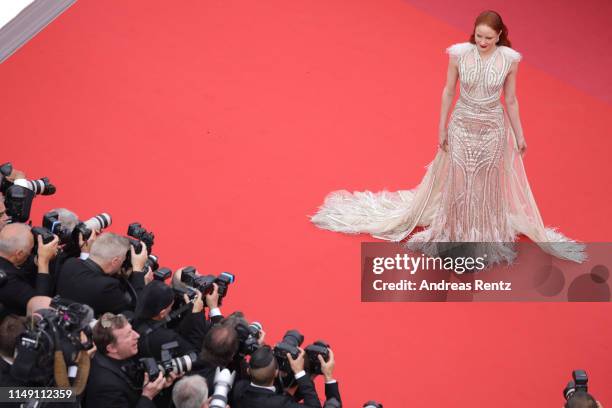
x=221, y=125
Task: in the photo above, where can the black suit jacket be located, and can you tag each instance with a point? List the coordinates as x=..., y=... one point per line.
x=108, y=386
x=84, y=281
x=16, y=292
x=247, y=396
x=153, y=336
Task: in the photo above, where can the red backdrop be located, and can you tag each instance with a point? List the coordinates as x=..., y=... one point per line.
x=221, y=125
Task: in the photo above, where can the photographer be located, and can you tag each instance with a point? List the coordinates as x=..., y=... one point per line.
x=219, y=349
x=16, y=244
x=154, y=306
x=263, y=370
x=109, y=386
x=99, y=280
x=262, y=392
x=195, y=335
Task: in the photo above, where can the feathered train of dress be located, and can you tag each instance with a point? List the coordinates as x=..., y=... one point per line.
x=476, y=192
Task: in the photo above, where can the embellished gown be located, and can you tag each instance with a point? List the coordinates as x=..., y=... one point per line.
x=476, y=192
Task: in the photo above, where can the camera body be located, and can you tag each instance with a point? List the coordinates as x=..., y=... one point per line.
x=313, y=351
x=204, y=283
x=170, y=362
x=579, y=382
x=18, y=195
x=56, y=329
x=289, y=344
x=248, y=337
x=138, y=232
x=161, y=274
x=70, y=238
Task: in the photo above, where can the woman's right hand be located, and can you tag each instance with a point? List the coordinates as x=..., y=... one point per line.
x=443, y=139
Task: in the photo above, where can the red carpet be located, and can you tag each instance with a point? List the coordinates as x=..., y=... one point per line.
x=221, y=125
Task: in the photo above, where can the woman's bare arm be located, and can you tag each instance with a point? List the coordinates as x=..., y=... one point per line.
x=448, y=94
x=512, y=107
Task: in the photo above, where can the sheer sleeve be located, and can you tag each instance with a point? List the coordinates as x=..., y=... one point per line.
x=457, y=50
x=510, y=54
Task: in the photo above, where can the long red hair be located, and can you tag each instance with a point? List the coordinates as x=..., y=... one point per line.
x=492, y=19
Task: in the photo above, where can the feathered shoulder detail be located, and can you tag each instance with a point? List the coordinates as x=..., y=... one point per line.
x=510, y=54
x=457, y=50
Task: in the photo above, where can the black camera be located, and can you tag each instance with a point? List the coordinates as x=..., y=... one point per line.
x=53, y=330
x=153, y=263
x=47, y=236
x=169, y=363
x=289, y=344
x=69, y=239
x=52, y=223
x=579, y=383
x=18, y=195
x=318, y=348
x=248, y=337
x=136, y=230
x=161, y=274
x=204, y=283
x=128, y=256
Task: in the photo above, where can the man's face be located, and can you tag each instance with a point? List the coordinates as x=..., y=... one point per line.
x=126, y=344
x=115, y=264
x=4, y=218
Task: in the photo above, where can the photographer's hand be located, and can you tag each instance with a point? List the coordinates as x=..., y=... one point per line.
x=151, y=388
x=261, y=340
x=170, y=379
x=297, y=365
x=327, y=367
x=148, y=278
x=86, y=245
x=198, y=304
x=46, y=252
x=139, y=260
x=212, y=299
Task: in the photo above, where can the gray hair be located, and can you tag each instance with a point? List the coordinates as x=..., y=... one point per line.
x=68, y=219
x=190, y=392
x=15, y=237
x=109, y=245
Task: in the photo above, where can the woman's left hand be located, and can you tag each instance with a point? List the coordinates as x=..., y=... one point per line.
x=522, y=146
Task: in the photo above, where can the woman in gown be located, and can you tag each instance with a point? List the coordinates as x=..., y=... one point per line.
x=475, y=190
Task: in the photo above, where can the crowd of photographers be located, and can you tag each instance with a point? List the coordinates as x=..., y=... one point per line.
x=92, y=311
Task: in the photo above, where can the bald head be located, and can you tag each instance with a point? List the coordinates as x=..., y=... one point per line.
x=16, y=243
x=263, y=367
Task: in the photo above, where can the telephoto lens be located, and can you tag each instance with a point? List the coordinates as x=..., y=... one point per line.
x=39, y=186
x=99, y=222
x=224, y=379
